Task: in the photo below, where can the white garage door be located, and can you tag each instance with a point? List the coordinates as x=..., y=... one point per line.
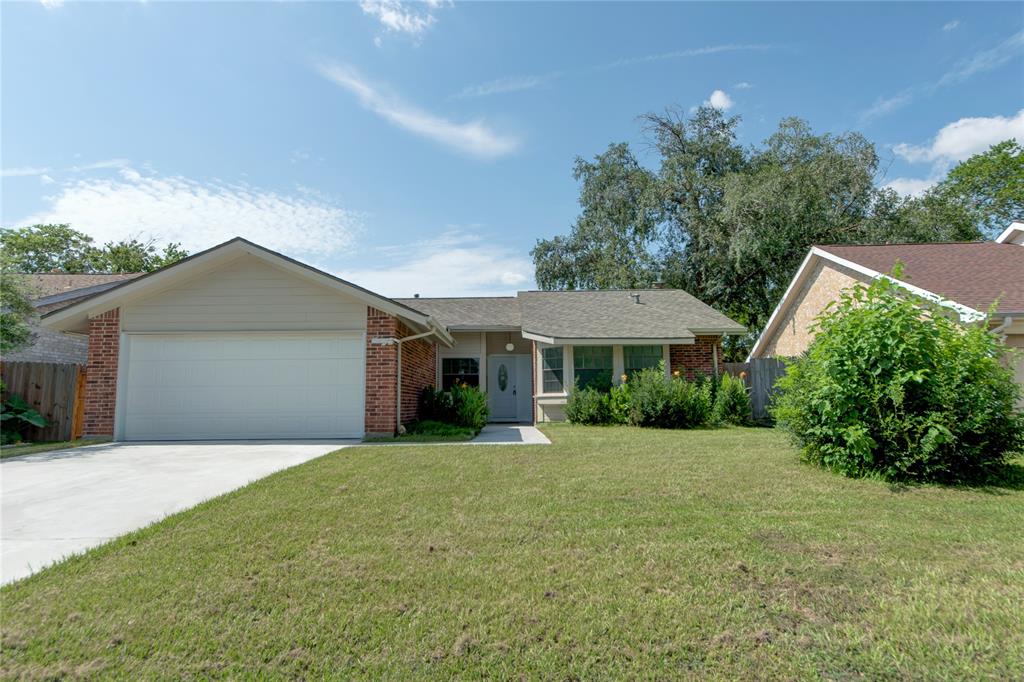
x=242, y=386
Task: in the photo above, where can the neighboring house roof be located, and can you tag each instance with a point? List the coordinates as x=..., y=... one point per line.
x=56, y=283
x=967, y=277
x=75, y=317
x=1014, y=234
x=975, y=274
x=661, y=315
x=471, y=313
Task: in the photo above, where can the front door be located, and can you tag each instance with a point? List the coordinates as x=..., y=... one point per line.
x=509, y=387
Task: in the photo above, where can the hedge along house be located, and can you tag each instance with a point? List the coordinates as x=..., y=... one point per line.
x=240, y=342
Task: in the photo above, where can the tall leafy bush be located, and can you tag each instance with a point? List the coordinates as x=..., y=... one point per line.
x=895, y=386
x=462, y=406
x=731, y=402
x=588, y=406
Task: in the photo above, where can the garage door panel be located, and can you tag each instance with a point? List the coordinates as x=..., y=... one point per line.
x=243, y=385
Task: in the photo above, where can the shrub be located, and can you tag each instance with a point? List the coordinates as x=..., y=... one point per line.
x=619, y=399
x=892, y=386
x=731, y=402
x=17, y=417
x=668, y=403
x=588, y=406
x=462, y=405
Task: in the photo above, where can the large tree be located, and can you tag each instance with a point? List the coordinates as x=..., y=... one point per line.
x=60, y=248
x=731, y=224
x=990, y=184
x=16, y=310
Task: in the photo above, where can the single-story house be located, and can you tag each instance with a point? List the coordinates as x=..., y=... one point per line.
x=241, y=342
x=53, y=291
x=966, y=277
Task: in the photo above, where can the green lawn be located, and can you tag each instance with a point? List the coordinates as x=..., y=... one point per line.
x=615, y=552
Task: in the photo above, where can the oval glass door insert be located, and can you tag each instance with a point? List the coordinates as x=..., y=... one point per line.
x=502, y=377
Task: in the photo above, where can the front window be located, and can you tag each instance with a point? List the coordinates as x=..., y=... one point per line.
x=636, y=358
x=593, y=366
x=459, y=370
x=552, y=369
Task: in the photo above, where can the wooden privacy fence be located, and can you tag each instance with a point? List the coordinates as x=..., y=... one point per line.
x=55, y=391
x=761, y=375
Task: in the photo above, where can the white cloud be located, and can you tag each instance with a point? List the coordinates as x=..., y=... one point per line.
x=964, y=138
x=199, y=214
x=457, y=263
x=23, y=171
x=689, y=52
x=720, y=100
x=509, y=84
x=46, y=179
x=951, y=25
x=402, y=17
x=981, y=62
x=100, y=165
x=984, y=61
x=742, y=85
x=913, y=187
x=51, y=4
x=473, y=137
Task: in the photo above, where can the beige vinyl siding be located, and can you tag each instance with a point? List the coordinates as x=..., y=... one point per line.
x=822, y=286
x=496, y=343
x=246, y=294
x=1016, y=341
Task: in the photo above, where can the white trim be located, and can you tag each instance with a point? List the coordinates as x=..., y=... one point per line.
x=632, y=341
x=966, y=313
x=1008, y=233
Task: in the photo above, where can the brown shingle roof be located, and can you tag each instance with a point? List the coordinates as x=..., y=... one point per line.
x=51, y=283
x=971, y=274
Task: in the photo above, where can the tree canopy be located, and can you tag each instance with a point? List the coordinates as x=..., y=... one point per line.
x=731, y=224
x=60, y=248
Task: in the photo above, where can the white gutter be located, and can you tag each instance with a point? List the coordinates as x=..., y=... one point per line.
x=391, y=341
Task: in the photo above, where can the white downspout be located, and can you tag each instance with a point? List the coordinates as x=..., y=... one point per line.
x=998, y=331
x=391, y=341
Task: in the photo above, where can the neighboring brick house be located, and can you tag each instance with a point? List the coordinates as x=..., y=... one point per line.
x=969, y=278
x=242, y=342
x=54, y=291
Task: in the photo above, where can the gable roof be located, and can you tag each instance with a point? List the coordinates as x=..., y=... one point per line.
x=47, y=284
x=1014, y=234
x=470, y=313
x=75, y=317
x=966, y=277
x=662, y=315
x=975, y=274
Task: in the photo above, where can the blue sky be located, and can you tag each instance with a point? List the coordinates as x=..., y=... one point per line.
x=425, y=147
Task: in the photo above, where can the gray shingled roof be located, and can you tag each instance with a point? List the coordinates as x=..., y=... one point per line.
x=661, y=314
x=487, y=312
x=52, y=283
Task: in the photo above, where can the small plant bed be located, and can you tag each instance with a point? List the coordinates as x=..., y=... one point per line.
x=430, y=431
x=36, y=448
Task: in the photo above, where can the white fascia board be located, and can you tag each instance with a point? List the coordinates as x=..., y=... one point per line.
x=1014, y=230
x=569, y=341
x=769, y=328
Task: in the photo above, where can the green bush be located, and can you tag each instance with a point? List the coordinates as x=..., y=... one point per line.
x=668, y=403
x=588, y=406
x=731, y=402
x=16, y=418
x=462, y=406
x=619, y=399
x=893, y=386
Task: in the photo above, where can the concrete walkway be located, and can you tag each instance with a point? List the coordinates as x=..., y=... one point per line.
x=510, y=434
x=63, y=502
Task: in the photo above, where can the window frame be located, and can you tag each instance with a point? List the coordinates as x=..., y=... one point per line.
x=559, y=372
x=629, y=371
x=581, y=355
x=445, y=386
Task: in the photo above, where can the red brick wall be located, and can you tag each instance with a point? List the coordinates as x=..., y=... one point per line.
x=419, y=369
x=381, y=366
x=696, y=358
x=101, y=373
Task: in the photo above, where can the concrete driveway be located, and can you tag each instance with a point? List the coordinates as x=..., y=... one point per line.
x=58, y=503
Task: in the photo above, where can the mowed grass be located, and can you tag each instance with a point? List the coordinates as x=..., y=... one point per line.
x=615, y=552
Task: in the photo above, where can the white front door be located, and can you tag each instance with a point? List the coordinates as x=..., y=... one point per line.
x=509, y=389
